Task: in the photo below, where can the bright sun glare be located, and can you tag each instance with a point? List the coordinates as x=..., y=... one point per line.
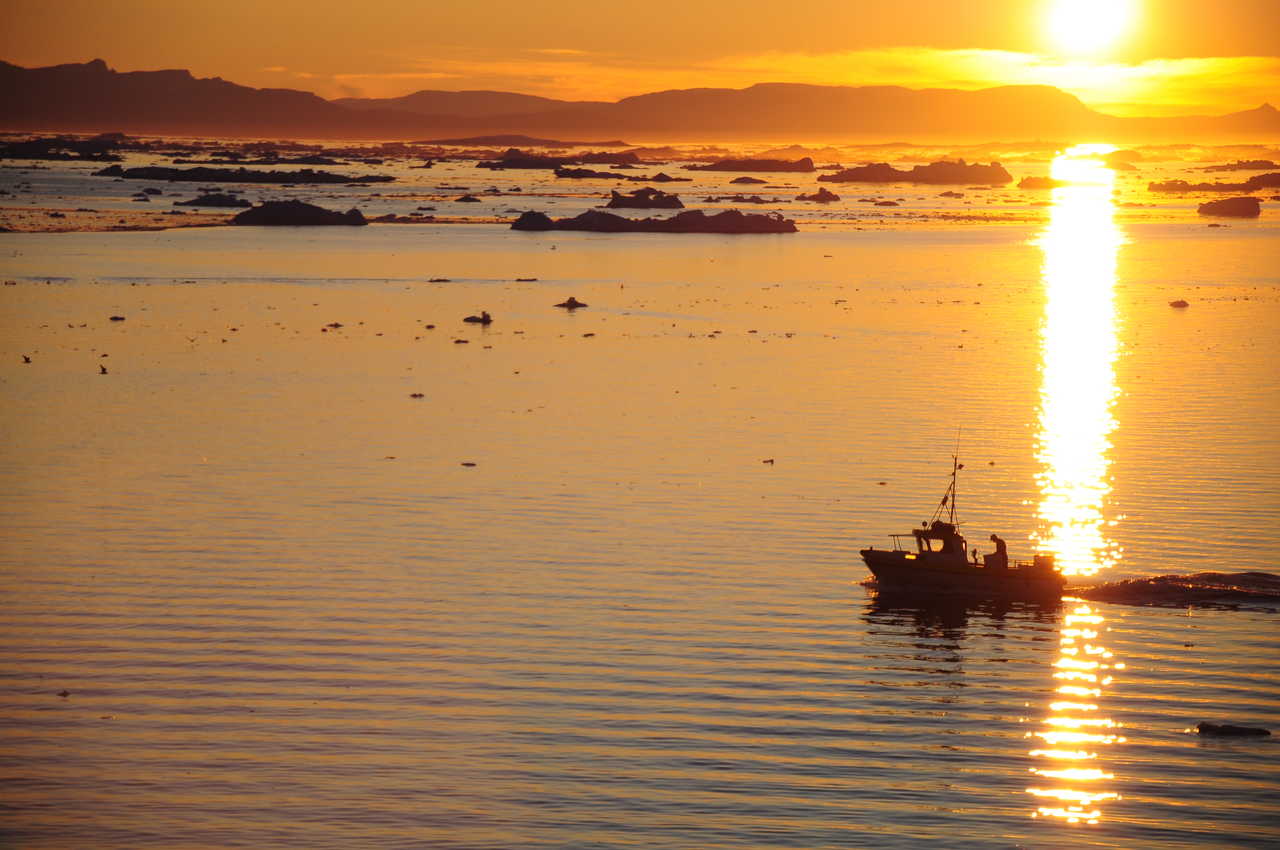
x=1088, y=26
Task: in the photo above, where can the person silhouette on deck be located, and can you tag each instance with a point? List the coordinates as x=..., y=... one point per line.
x=998, y=560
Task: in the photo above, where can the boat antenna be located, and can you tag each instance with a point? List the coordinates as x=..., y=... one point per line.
x=955, y=467
x=949, y=497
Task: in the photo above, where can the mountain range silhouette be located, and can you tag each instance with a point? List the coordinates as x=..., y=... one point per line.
x=93, y=97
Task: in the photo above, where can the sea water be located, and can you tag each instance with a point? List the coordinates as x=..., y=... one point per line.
x=599, y=585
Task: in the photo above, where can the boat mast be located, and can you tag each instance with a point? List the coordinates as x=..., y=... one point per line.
x=955, y=467
x=949, y=498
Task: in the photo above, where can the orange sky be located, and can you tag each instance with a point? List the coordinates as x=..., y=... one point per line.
x=1180, y=56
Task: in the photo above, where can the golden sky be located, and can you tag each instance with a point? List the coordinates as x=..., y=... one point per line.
x=1166, y=57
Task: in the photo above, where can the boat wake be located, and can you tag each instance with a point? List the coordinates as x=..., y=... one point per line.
x=1226, y=590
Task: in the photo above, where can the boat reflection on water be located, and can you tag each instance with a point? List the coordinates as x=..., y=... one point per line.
x=947, y=615
x=1078, y=351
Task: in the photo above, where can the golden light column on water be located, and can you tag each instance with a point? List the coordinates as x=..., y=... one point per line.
x=1078, y=351
x=1075, y=730
x=1077, y=392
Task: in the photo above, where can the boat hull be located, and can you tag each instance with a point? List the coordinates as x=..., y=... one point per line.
x=897, y=571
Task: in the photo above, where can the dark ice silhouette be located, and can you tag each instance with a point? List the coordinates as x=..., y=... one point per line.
x=1041, y=183
x=1243, y=165
x=100, y=148
x=214, y=199
x=1244, y=207
x=296, y=213
x=935, y=173
x=822, y=196
x=647, y=198
x=514, y=158
x=804, y=164
x=1253, y=184
x=690, y=221
x=204, y=174
x=590, y=174
x=1227, y=730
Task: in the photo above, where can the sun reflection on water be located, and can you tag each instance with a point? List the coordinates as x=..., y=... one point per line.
x=1078, y=348
x=1077, y=392
x=1075, y=731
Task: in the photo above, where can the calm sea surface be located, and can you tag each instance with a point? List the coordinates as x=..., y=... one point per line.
x=599, y=586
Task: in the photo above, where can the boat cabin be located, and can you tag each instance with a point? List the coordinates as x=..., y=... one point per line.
x=939, y=537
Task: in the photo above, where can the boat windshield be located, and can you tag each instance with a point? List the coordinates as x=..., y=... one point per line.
x=939, y=537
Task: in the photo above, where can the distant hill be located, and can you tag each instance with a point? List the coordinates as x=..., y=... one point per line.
x=465, y=104
x=93, y=97
x=777, y=111
x=1261, y=124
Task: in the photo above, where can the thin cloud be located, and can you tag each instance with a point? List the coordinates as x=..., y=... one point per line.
x=559, y=51
x=398, y=75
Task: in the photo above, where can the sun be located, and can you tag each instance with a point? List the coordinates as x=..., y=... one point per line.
x=1089, y=26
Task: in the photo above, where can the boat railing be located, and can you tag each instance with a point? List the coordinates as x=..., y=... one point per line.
x=1038, y=563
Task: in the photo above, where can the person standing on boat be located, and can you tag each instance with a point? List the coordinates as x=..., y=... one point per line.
x=998, y=560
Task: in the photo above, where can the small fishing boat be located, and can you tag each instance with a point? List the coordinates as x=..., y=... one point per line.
x=940, y=562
